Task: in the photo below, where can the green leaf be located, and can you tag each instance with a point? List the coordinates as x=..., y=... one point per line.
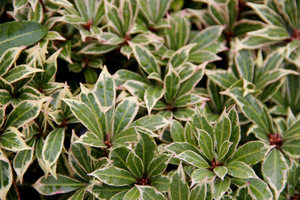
x=222, y=131
x=128, y=135
x=145, y=148
x=179, y=147
x=238, y=169
x=145, y=58
x=271, y=33
x=90, y=139
x=219, y=187
x=119, y=156
x=79, y=194
x=245, y=64
x=122, y=75
x=53, y=146
x=114, y=176
x=5, y=174
x=11, y=140
x=180, y=56
x=51, y=186
x=267, y=14
x=201, y=122
x=193, y=158
x=152, y=95
x=177, y=131
x=107, y=191
x=15, y=34
x=202, y=175
x=132, y=194
x=8, y=58
x=206, y=143
x=135, y=165
x=124, y=114
x=291, y=148
x=252, y=108
x=191, y=83
x=274, y=171
x=22, y=161
x=161, y=183
x=152, y=122
x=158, y=165
x=113, y=15
x=149, y=193
x=203, y=56
x=97, y=49
x=187, y=100
x=250, y=153
x=23, y=113
x=199, y=192
x=105, y=90
x=82, y=157
x=85, y=115
x=171, y=84
x=221, y=172
x=136, y=88
x=224, y=149
x=293, y=131
x=221, y=77
x=179, y=188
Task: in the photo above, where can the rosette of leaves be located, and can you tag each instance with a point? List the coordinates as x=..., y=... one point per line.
x=138, y=171
x=229, y=13
x=282, y=28
x=171, y=93
x=109, y=125
x=216, y=160
x=265, y=75
x=283, y=138
x=208, y=41
x=80, y=164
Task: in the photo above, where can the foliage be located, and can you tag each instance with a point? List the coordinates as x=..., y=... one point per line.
x=149, y=99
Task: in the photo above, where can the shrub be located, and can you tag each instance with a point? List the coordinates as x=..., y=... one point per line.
x=149, y=99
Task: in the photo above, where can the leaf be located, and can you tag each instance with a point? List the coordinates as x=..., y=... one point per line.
x=250, y=153
x=124, y=114
x=206, y=143
x=191, y=83
x=221, y=77
x=222, y=131
x=128, y=135
x=203, y=56
x=245, y=64
x=105, y=90
x=5, y=174
x=97, y=49
x=187, y=100
x=23, y=113
x=85, y=115
x=239, y=169
x=90, y=139
x=177, y=131
x=11, y=140
x=221, y=172
x=15, y=34
x=136, y=88
x=252, y=108
x=158, y=165
x=152, y=95
x=119, y=156
x=53, y=146
x=8, y=58
x=51, y=186
x=79, y=194
x=107, y=191
x=145, y=148
x=267, y=14
x=274, y=171
x=113, y=15
x=193, y=158
x=22, y=161
x=161, y=183
x=152, y=122
x=219, y=187
x=82, y=157
x=179, y=147
x=122, y=75
x=199, y=192
x=135, y=165
x=180, y=56
x=145, y=58
x=271, y=33
x=19, y=72
x=202, y=175
x=179, y=188
x=132, y=194
x=201, y=122
x=114, y=176
x=293, y=132
x=149, y=193
x=291, y=148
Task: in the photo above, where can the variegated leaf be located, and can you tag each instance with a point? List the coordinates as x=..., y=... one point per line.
x=193, y=158
x=152, y=95
x=12, y=140
x=149, y=193
x=151, y=122
x=179, y=189
x=171, y=84
x=5, y=174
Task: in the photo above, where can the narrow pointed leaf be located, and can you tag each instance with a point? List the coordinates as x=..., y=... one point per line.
x=145, y=148
x=8, y=58
x=53, y=146
x=81, y=154
x=220, y=187
x=11, y=140
x=149, y=193
x=6, y=175
x=200, y=175
x=194, y=159
x=177, y=131
x=90, y=139
x=132, y=194
x=199, y=192
x=179, y=147
x=245, y=64
x=274, y=170
x=222, y=78
x=238, y=169
x=152, y=122
x=181, y=55
x=15, y=34
x=158, y=165
x=114, y=176
x=119, y=156
x=221, y=172
x=135, y=165
x=179, y=189
x=152, y=95
x=206, y=143
x=171, y=84
x=51, y=186
x=128, y=135
x=124, y=114
x=222, y=131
